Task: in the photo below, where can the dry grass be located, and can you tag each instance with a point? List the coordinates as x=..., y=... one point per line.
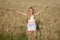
x=13, y=25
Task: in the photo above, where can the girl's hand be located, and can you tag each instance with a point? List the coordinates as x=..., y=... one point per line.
x=17, y=10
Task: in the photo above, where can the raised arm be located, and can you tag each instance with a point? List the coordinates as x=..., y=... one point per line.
x=41, y=10
x=19, y=12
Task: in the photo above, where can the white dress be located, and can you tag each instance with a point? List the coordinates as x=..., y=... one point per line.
x=31, y=24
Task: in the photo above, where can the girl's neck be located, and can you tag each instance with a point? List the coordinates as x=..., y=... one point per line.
x=30, y=14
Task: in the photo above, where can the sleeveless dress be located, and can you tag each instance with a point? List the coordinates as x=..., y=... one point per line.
x=31, y=24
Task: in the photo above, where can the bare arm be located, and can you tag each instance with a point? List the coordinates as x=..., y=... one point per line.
x=19, y=12
x=41, y=10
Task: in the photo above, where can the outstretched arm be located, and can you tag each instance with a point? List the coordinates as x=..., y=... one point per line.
x=19, y=12
x=41, y=10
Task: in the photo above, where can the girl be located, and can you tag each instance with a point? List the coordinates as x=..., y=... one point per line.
x=31, y=26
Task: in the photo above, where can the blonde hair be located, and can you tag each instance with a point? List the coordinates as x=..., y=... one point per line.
x=32, y=9
x=28, y=15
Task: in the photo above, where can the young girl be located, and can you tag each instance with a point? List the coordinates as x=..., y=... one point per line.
x=31, y=25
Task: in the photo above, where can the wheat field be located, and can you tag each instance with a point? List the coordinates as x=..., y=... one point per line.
x=13, y=26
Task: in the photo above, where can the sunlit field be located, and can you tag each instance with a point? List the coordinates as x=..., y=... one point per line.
x=13, y=26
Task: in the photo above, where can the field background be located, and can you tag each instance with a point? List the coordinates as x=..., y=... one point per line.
x=13, y=25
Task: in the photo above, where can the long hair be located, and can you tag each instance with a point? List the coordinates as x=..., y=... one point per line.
x=32, y=9
x=28, y=15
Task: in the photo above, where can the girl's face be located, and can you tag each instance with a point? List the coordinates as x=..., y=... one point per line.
x=30, y=11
